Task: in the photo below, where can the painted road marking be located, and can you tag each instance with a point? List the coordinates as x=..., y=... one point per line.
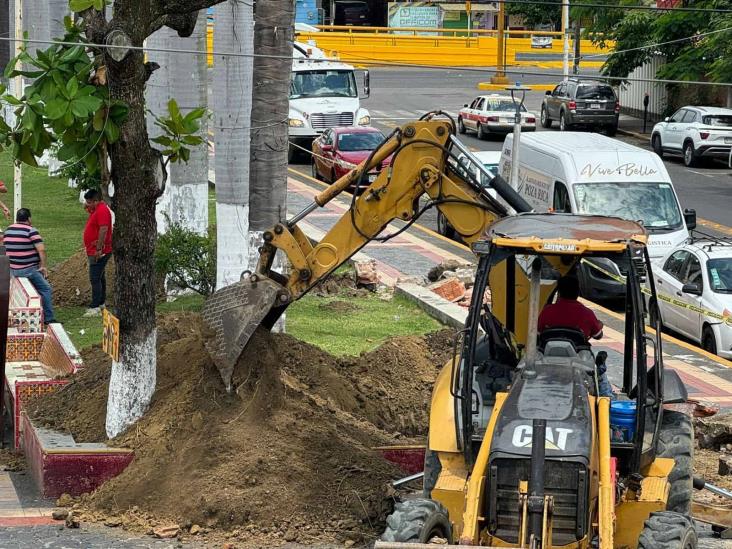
x=714, y=225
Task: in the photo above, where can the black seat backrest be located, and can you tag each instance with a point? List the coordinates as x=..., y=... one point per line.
x=572, y=335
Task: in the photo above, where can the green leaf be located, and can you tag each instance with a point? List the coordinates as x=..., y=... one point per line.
x=57, y=108
x=68, y=119
x=98, y=122
x=84, y=105
x=118, y=112
x=11, y=99
x=111, y=131
x=66, y=152
x=193, y=140
x=72, y=88
x=174, y=110
x=58, y=79
x=185, y=154
x=99, y=5
x=80, y=5
x=163, y=140
x=25, y=154
x=10, y=67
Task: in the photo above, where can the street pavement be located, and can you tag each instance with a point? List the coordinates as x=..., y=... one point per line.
x=400, y=95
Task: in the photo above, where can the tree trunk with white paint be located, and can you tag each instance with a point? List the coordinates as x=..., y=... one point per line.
x=232, y=95
x=273, y=41
x=187, y=186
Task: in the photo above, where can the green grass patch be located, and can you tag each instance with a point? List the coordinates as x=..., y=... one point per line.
x=340, y=325
x=57, y=213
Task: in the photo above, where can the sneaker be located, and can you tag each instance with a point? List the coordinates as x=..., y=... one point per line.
x=93, y=311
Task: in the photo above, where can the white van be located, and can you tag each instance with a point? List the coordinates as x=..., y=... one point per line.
x=590, y=173
x=323, y=95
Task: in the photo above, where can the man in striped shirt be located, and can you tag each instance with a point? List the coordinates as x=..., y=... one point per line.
x=27, y=256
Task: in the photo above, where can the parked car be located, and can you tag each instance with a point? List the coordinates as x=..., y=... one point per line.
x=695, y=133
x=493, y=114
x=338, y=150
x=541, y=41
x=581, y=103
x=351, y=13
x=699, y=274
x=490, y=160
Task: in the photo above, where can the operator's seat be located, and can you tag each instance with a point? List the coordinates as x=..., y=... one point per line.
x=564, y=342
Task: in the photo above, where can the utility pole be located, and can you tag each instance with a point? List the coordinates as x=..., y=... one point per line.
x=516, y=132
x=577, y=38
x=18, y=85
x=565, y=32
x=500, y=76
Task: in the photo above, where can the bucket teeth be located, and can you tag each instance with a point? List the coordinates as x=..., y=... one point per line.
x=233, y=314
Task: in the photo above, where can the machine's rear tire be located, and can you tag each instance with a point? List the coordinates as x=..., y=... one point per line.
x=668, y=530
x=676, y=440
x=417, y=521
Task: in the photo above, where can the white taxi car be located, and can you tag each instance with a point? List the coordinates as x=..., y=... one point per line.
x=493, y=113
x=698, y=274
x=694, y=133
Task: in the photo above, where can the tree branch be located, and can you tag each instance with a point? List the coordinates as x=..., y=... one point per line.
x=95, y=25
x=186, y=6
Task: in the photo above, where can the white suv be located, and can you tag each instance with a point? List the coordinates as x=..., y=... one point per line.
x=698, y=275
x=695, y=133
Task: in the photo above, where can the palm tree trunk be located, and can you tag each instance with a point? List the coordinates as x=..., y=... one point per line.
x=273, y=36
x=187, y=187
x=232, y=90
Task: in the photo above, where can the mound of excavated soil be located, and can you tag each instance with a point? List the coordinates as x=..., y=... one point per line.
x=70, y=281
x=287, y=456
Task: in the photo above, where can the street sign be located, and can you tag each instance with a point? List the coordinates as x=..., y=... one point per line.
x=110, y=334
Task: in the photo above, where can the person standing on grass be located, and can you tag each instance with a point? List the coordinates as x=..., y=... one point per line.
x=98, y=244
x=27, y=257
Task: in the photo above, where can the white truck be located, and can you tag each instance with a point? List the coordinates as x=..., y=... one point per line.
x=323, y=95
x=589, y=173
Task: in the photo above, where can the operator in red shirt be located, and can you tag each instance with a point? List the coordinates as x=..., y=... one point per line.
x=568, y=312
x=98, y=244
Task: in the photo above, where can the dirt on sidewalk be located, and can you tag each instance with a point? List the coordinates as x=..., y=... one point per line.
x=286, y=457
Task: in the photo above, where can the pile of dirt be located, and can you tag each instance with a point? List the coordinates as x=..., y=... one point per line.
x=70, y=281
x=340, y=284
x=286, y=457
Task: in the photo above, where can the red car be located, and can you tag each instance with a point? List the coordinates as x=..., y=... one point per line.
x=338, y=150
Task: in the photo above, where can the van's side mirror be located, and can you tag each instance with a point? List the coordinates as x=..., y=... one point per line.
x=692, y=289
x=690, y=219
x=547, y=92
x=366, y=84
x=465, y=106
x=667, y=119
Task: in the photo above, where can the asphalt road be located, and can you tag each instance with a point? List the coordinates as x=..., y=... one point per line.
x=399, y=95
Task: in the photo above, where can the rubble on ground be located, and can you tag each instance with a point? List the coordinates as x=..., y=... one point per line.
x=715, y=431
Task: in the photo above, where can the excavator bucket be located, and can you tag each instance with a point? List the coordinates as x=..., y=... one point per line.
x=234, y=313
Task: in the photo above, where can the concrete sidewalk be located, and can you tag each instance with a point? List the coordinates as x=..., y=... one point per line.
x=414, y=252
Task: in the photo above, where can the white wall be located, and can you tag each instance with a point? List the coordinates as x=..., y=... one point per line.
x=632, y=93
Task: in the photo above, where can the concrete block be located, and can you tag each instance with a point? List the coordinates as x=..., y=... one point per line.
x=450, y=289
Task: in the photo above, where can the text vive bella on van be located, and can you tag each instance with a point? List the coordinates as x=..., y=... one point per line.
x=629, y=169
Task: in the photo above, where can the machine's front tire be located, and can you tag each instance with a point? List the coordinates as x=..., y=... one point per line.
x=676, y=440
x=417, y=521
x=668, y=530
x=432, y=468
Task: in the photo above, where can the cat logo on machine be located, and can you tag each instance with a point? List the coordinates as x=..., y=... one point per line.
x=556, y=438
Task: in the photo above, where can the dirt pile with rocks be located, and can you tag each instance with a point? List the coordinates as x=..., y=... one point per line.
x=70, y=281
x=287, y=456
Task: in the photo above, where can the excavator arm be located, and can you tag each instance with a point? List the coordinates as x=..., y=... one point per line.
x=426, y=159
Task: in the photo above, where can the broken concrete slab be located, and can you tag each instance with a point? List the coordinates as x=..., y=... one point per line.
x=450, y=289
x=714, y=431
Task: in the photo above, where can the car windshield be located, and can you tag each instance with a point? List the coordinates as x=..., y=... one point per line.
x=595, y=92
x=323, y=84
x=502, y=105
x=720, y=120
x=363, y=141
x=720, y=275
x=654, y=204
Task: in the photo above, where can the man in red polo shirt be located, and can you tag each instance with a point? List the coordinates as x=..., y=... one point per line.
x=98, y=244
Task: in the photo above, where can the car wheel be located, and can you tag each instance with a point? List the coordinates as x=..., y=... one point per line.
x=443, y=227
x=611, y=130
x=709, y=342
x=690, y=157
x=546, y=122
x=481, y=132
x=314, y=171
x=461, y=126
x=563, y=126
x=656, y=145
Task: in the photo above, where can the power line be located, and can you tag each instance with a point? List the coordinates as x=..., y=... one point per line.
x=612, y=6
x=374, y=61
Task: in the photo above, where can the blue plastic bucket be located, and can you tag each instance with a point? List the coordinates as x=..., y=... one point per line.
x=622, y=420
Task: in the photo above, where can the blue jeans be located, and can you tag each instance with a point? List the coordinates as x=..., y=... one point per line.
x=42, y=287
x=98, y=279
x=606, y=389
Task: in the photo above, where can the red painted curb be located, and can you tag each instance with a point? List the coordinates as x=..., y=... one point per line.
x=9, y=522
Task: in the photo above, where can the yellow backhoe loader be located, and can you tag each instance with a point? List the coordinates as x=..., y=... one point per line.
x=520, y=452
